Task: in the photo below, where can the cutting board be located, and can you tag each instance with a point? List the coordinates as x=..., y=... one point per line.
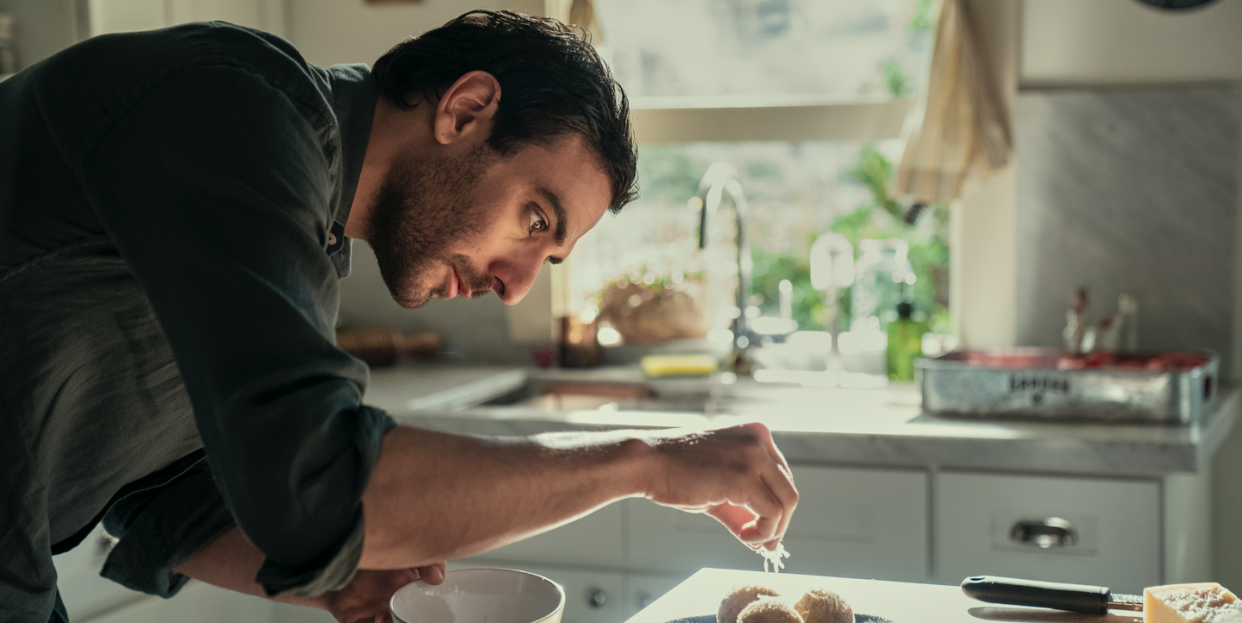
x=696, y=600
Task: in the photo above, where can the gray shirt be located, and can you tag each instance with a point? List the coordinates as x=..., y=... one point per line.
x=172, y=210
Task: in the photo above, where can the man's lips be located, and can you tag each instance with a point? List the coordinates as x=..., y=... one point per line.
x=453, y=284
x=457, y=286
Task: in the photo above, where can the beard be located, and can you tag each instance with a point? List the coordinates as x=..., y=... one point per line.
x=424, y=207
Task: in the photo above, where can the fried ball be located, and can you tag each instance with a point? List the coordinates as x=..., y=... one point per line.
x=739, y=598
x=820, y=606
x=769, y=610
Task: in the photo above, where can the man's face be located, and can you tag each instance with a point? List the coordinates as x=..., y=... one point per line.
x=478, y=222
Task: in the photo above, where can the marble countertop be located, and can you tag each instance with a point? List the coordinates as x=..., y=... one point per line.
x=865, y=427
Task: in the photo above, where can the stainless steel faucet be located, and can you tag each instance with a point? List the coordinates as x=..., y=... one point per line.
x=721, y=178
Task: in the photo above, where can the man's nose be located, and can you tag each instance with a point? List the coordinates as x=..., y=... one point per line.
x=517, y=278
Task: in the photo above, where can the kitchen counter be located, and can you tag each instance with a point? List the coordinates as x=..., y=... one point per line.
x=865, y=427
x=899, y=602
x=430, y=387
x=888, y=492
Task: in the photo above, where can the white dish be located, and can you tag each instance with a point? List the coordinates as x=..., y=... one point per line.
x=480, y=596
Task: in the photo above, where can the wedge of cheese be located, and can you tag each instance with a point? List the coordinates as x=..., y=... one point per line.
x=1191, y=603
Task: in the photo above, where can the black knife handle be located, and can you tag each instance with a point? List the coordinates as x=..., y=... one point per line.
x=1071, y=597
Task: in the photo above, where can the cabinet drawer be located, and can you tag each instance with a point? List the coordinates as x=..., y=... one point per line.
x=594, y=541
x=991, y=525
x=850, y=522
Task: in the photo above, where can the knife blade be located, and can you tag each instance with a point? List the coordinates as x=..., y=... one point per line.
x=1072, y=597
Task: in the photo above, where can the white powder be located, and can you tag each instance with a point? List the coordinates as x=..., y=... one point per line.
x=773, y=557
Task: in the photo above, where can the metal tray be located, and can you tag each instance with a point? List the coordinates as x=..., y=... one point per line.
x=1027, y=383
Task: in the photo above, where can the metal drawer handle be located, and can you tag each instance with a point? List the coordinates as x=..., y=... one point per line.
x=1048, y=533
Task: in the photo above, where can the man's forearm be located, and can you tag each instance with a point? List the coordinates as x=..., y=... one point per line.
x=436, y=496
x=232, y=562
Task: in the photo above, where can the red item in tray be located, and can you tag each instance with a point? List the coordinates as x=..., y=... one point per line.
x=1149, y=362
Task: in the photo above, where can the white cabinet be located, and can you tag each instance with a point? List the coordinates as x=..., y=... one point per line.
x=644, y=588
x=1080, y=530
x=868, y=523
x=594, y=541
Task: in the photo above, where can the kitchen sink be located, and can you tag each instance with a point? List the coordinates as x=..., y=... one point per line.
x=722, y=395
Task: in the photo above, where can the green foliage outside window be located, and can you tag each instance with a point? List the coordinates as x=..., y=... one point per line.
x=879, y=218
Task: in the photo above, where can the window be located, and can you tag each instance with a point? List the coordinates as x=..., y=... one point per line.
x=766, y=49
x=812, y=141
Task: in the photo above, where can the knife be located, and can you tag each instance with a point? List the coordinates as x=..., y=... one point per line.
x=1072, y=597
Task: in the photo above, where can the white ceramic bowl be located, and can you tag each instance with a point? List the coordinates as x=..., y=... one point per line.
x=480, y=596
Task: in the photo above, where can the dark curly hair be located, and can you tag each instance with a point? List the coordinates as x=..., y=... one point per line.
x=553, y=84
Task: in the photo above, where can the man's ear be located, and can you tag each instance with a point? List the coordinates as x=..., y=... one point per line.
x=467, y=107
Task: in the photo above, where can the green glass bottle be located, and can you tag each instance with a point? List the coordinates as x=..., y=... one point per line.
x=905, y=343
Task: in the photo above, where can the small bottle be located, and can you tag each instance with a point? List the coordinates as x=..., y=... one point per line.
x=905, y=343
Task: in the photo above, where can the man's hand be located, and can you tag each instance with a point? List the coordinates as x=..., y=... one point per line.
x=735, y=474
x=365, y=599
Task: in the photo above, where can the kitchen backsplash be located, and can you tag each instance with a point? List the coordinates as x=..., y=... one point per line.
x=1130, y=191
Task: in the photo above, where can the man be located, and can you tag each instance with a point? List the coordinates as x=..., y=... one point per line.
x=176, y=208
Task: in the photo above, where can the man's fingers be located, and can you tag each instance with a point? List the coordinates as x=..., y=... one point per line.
x=779, y=481
x=782, y=489
x=754, y=519
x=735, y=518
x=432, y=574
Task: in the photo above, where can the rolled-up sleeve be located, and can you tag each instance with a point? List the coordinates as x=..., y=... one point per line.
x=160, y=528
x=218, y=187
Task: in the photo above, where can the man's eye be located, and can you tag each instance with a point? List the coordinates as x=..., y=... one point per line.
x=537, y=223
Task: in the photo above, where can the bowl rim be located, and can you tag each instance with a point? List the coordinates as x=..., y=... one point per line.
x=560, y=606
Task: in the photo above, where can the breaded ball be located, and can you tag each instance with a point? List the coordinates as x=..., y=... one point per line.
x=769, y=610
x=820, y=606
x=739, y=598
